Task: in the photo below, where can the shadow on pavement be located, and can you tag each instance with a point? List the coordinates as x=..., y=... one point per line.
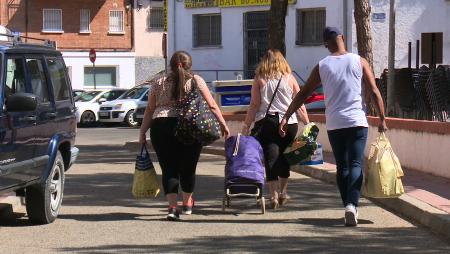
x=116, y=154
x=411, y=244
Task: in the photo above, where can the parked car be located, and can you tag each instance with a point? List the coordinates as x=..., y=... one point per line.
x=122, y=109
x=139, y=112
x=88, y=104
x=38, y=126
x=316, y=101
x=77, y=92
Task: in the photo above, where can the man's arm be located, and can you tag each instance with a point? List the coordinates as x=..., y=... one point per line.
x=375, y=95
x=311, y=84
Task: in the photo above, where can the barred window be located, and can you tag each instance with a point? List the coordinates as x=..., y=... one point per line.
x=207, y=30
x=85, y=20
x=310, y=25
x=116, y=21
x=52, y=20
x=155, y=18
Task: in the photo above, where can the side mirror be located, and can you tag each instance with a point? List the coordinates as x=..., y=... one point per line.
x=21, y=102
x=101, y=100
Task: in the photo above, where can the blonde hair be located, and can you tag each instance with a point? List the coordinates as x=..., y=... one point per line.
x=272, y=64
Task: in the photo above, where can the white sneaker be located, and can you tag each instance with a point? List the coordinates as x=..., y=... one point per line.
x=351, y=216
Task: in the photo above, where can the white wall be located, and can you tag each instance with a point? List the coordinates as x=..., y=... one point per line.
x=146, y=42
x=123, y=60
x=426, y=152
x=304, y=58
x=231, y=53
x=413, y=17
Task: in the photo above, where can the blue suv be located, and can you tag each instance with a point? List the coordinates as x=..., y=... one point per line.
x=37, y=126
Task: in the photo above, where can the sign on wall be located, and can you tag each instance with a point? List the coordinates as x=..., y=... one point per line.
x=227, y=3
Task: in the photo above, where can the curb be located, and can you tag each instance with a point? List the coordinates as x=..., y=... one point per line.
x=418, y=211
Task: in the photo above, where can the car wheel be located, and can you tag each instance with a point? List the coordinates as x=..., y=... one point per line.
x=87, y=118
x=43, y=201
x=129, y=119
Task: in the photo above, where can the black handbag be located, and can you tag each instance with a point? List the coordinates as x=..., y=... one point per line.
x=196, y=123
x=259, y=125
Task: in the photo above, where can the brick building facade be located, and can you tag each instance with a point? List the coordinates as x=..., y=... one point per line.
x=77, y=26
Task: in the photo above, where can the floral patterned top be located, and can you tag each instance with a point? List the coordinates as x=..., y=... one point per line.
x=163, y=87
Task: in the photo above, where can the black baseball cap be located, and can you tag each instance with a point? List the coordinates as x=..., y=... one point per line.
x=330, y=33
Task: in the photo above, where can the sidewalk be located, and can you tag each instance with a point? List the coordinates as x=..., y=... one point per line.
x=426, y=201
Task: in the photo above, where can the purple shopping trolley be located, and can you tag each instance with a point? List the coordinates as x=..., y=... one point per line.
x=244, y=170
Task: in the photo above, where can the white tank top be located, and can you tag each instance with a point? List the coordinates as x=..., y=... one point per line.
x=280, y=103
x=342, y=85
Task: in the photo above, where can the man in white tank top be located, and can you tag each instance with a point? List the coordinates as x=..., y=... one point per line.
x=343, y=75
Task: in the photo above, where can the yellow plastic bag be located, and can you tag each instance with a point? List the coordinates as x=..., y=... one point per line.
x=145, y=181
x=383, y=177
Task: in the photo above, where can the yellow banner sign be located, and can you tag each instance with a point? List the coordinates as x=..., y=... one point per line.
x=227, y=3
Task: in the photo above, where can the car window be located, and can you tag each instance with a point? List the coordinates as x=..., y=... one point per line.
x=15, y=77
x=105, y=95
x=37, y=79
x=58, y=78
x=115, y=94
x=145, y=98
x=134, y=93
x=87, y=96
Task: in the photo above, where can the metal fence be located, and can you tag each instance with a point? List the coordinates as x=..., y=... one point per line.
x=422, y=94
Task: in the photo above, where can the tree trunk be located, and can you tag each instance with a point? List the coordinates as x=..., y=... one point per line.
x=364, y=30
x=364, y=39
x=277, y=25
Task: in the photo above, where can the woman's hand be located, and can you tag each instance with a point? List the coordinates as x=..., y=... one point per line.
x=283, y=126
x=225, y=131
x=245, y=130
x=142, y=139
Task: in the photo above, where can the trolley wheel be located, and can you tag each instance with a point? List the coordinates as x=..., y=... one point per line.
x=263, y=205
x=224, y=207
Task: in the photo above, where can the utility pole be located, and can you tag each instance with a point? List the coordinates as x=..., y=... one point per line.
x=391, y=59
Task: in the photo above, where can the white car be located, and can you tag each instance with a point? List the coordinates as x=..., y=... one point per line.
x=122, y=109
x=88, y=104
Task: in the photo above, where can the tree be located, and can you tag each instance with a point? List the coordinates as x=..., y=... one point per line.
x=277, y=25
x=364, y=39
x=364, y=30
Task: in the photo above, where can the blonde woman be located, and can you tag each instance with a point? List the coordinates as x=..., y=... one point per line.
x=273, y=89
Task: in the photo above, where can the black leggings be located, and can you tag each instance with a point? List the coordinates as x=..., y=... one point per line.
x=274, y=145
x=177, y=160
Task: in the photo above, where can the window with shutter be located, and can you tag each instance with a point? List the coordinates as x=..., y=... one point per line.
x=85, y=20
x=116, y=21
x=207, y=30
x=52, y=20
x=156, y=18
x=310, y=25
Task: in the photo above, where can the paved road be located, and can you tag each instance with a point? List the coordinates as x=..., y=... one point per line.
x=99, y=215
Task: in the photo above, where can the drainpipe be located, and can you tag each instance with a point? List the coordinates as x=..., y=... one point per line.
x=345, y=22
x=26, y=18
x=174, y=37
x=391, y=61
x=133, y=9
